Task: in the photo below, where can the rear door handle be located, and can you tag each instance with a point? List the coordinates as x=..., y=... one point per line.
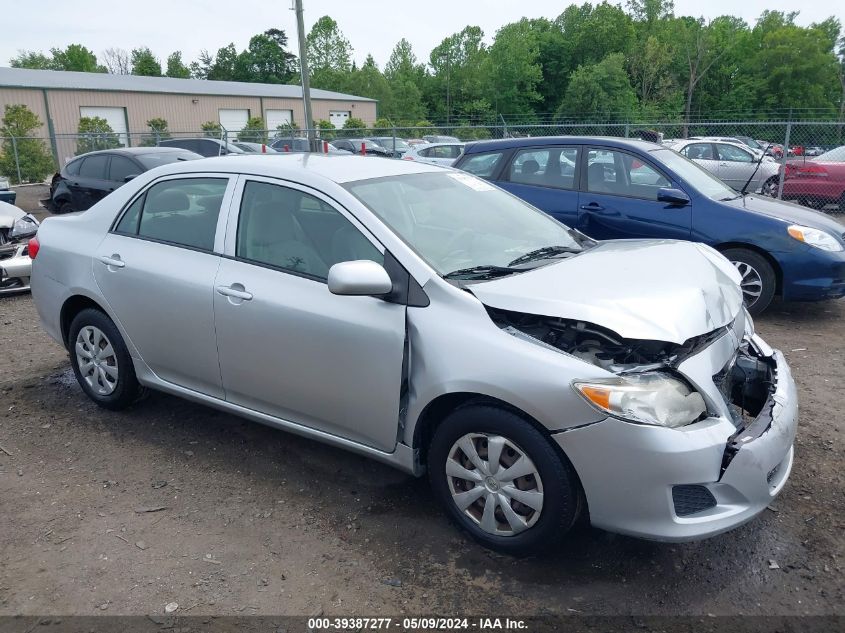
x=113, y=261
x=236, y=291
x=593, y=206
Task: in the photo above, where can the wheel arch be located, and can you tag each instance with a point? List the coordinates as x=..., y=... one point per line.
x=763, y=253
x=71, y=307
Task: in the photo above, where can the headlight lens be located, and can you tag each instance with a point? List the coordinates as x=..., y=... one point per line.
x=649, y=398
x=24, y=227
x=814, y=237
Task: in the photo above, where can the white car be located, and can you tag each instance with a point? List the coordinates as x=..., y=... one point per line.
x=16, y=227
x=733, y=163
x=443, y=154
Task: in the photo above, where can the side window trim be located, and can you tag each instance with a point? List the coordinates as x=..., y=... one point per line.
x=585, y=153
x=231, y=231
x=222, y=217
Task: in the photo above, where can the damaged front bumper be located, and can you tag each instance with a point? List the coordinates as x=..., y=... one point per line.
x=15, y=267
x=700, y=480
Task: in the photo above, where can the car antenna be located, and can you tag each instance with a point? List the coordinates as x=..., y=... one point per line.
x=753, y=173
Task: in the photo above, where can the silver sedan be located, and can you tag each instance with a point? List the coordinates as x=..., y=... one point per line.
x=425, y=318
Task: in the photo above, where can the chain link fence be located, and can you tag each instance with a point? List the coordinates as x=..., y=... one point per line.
x=800, y=161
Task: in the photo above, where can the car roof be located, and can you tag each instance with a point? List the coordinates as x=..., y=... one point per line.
x=306, y=168
x=532, y=141
x=135, y=151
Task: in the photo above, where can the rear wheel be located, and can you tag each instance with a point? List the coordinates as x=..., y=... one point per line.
x=101, y=362
x=502, y=480
x=66, y=207
x=758, y=278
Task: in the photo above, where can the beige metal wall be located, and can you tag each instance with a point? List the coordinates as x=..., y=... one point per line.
x=184, y=113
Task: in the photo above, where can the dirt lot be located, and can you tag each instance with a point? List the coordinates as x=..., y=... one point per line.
x=256, y=521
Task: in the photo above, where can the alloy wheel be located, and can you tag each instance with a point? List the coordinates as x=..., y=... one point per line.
x=751, y=283
x=97, y=360
x=770, y=188
x=494, y=483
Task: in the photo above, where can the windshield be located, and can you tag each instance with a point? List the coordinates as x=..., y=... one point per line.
x=696, y=176
x=835, y=155
x=154, y=160
x=750, y=142
x=456, y=221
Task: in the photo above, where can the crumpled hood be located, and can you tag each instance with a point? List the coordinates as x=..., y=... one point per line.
x=9, y=213
x=641, y=289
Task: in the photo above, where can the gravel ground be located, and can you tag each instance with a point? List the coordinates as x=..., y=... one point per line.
x=122, y=513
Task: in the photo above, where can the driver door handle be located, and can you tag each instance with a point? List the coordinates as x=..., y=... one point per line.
x=235, y=291
x=593, y=206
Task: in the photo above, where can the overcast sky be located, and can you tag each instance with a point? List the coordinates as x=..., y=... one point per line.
x=372, y=26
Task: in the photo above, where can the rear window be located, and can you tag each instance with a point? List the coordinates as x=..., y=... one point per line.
x=72, y=168
x=163, y=158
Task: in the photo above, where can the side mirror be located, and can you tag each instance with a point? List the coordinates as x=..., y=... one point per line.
x=359, y=278
x=672, y=196
x=130, y=177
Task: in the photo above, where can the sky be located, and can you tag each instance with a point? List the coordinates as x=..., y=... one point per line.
x=372, y=26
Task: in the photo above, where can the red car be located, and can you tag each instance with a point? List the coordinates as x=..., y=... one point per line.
x=817, y=182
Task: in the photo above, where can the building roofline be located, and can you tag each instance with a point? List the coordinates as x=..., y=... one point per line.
x=30, y=79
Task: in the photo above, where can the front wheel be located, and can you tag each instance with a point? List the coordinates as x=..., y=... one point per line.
x=502, y=480
x=101, y=362
x=758, y=278
x=770, y=187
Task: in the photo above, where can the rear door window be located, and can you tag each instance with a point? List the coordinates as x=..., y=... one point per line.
x=94, y=167
x=182, y=211
x=699, y=151
x=547, y=167
x=121, y=167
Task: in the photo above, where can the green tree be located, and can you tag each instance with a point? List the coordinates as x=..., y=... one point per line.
x=265, y=60
x=223, y=68
x=355, y=125
x=212, y=129
x=22, y=153
x=145, y=63
x=158, y=131
x=456, y=86
x=599, y=92
x=95, y=133
x=175, y=66
x=202, y=66
x=512, y=69
x=327, y=129
x=368, y=81
x=73, y=58
x=255, y=131
x=328, y=49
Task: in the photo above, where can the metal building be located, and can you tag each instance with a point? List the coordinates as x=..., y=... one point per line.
x=127, y=102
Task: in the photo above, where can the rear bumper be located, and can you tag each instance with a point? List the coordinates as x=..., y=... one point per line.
x=629, y=471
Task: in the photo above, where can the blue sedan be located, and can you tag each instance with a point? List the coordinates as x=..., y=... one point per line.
x=615, y=188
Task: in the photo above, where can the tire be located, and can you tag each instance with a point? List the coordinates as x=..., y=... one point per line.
x=758, y=278
x=770, y=187
x=842, y=203
x=539, y=526
x=109, y=379
x=66, y=207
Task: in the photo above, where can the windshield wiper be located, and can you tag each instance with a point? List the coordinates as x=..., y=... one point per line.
x=542, y=253
x=481, y=271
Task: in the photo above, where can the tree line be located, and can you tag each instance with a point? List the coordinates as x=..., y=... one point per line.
x=596, y=62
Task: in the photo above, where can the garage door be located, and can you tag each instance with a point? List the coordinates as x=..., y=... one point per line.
x=116, y=118
x=275, y=118
x=233, y=120
x=338, y=118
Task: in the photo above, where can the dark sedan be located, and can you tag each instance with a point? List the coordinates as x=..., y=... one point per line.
x=88, y=178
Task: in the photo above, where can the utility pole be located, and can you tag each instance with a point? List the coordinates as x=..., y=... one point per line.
x=303, y=66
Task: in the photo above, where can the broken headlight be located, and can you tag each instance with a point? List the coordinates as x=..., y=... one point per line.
x=649, y=398
x=25, y=226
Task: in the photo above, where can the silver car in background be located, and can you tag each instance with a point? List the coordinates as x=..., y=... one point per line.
x=16, y=228
x=733, y=163
x=427, y=319
x=443, y=154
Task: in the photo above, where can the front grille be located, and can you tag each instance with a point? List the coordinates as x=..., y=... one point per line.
x=689, y=499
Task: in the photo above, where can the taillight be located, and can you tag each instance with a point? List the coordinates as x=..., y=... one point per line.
x=406, y=157
x=33, y=247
